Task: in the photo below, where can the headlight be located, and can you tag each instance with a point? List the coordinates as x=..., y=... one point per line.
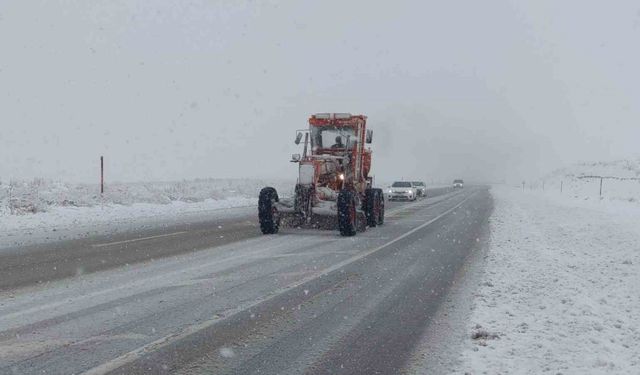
x=341, y=176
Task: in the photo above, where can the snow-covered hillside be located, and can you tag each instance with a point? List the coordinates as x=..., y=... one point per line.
x=618, y=168
x=621, y=181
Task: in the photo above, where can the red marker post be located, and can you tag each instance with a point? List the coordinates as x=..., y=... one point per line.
x=101, y=175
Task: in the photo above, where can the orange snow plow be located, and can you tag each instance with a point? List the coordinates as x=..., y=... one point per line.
x=334, y=187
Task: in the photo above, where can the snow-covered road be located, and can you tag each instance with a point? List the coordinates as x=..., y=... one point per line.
x=555, y=293
x=299, y=301
x=559, y=294
x=125, y=240
x=66, y=223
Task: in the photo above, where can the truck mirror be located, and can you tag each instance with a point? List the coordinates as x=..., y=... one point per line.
x=369, y=137
x=298, y=138
x=295, y=158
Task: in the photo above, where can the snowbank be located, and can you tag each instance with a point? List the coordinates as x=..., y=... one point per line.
x=41, y=211
x=559, y=294
x=39, y=195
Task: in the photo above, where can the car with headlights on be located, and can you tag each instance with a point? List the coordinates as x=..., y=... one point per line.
x=458, y=184
x=402, y=190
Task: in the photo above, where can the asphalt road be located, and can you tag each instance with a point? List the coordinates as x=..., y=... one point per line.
x=42, y=263
x=302, y=301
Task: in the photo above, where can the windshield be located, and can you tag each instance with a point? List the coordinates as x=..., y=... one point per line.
x=418, y=183
x=457, y=181
x=331, y=137
x=401, y=184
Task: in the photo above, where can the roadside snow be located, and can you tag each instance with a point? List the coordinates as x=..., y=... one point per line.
x=42, y=211
x=560, y=291
x=41, y=195
x=61, y=223
x=620, y=183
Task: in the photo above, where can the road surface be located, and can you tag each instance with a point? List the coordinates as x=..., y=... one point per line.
x=45, y=262
x=192, y=300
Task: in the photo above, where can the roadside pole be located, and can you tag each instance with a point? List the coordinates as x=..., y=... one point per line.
x=101, y=174
x=600, y=187
x=101, y=182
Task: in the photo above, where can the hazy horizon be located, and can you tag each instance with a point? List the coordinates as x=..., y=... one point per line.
x=506, y=90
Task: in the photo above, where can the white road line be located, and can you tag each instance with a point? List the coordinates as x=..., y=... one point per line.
x=155, y=280
x=137, y=239
x=391, y=212
x=169, y=339
x=152, y=280
x=418, y=204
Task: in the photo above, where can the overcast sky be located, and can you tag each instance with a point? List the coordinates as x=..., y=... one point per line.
x=183, y=89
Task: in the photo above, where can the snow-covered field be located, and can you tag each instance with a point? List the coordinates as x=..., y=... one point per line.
x=621, y=181
x=40, y=210
x=559, y=294
x=39, y=195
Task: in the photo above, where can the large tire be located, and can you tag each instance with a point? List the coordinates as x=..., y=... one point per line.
x=267, y=212
x=347, y=215
x=370, y=207
x=380, y=197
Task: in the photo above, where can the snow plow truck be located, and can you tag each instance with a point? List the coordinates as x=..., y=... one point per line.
x=334, y=188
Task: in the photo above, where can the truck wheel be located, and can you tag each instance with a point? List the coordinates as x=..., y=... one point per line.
x=347, y=216
x=268, y=214
x=380, y=197
x=371, y=207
